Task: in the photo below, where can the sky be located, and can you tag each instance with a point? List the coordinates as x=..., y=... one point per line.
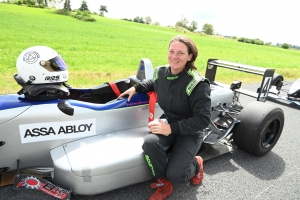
x=276, y=21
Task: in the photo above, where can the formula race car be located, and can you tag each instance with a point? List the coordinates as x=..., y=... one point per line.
x=290, y=90
x=91, y=141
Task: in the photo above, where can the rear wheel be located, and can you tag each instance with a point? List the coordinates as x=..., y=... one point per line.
x=277, y=81
x=260, y=128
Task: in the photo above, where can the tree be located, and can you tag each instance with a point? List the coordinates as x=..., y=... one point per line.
x=102, y=10
x=258, y=41
x=136, y=19
x=67, y=5
x=285, y=46
x=184, y=22
x=268, y=43
x=40, y=3
x=194, y=26
x=46, y=2
x=30, y=3
x=139, y=19
x=148, y=20
x=156, y=23
x=84, y=6
x=179, y=23
x=142, y=20
x=208, y=29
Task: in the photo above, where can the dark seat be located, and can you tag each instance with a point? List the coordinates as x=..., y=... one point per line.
x=105, y=88
x=104, y=93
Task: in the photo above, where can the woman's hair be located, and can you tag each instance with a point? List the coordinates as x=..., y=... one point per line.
x=192, y=49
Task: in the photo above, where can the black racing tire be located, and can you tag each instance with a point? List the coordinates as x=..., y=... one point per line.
x=277, y=81
x=260, y=128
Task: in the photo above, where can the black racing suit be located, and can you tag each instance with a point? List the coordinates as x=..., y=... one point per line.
x=185, y=100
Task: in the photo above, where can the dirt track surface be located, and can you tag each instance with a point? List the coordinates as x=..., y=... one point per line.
x=236, y=175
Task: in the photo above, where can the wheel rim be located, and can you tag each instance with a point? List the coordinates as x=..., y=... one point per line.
x=270, y=134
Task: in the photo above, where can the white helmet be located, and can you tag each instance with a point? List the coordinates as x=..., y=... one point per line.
x=40, y=65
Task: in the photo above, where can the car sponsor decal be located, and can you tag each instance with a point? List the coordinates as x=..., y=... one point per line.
x=57, y=130
x=35, y=183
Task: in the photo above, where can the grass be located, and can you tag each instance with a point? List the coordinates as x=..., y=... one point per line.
x=110, y=49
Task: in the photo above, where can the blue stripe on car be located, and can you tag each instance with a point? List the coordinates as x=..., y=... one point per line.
x=14, y=101
x=10, y=101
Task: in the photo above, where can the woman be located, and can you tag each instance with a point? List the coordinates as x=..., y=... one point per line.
x=184, y=96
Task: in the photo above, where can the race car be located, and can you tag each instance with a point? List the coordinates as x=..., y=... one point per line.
x=290, y=90
x=91, y=141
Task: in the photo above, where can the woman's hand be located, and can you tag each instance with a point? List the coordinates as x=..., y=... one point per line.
x=130, y=92
x=159, y=127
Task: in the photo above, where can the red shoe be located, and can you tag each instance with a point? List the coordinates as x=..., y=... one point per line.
x=197, y=178
x=164, y=189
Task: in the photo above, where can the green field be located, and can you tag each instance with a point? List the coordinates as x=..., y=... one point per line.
x=110, y=49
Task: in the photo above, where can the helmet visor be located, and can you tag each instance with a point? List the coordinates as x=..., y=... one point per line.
x=56, y=64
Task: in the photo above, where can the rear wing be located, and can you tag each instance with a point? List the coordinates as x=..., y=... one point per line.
x=267, y=74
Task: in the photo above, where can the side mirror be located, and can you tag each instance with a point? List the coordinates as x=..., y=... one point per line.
x=65, y=107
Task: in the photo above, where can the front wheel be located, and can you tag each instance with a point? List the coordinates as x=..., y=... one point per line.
x=260, y=128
